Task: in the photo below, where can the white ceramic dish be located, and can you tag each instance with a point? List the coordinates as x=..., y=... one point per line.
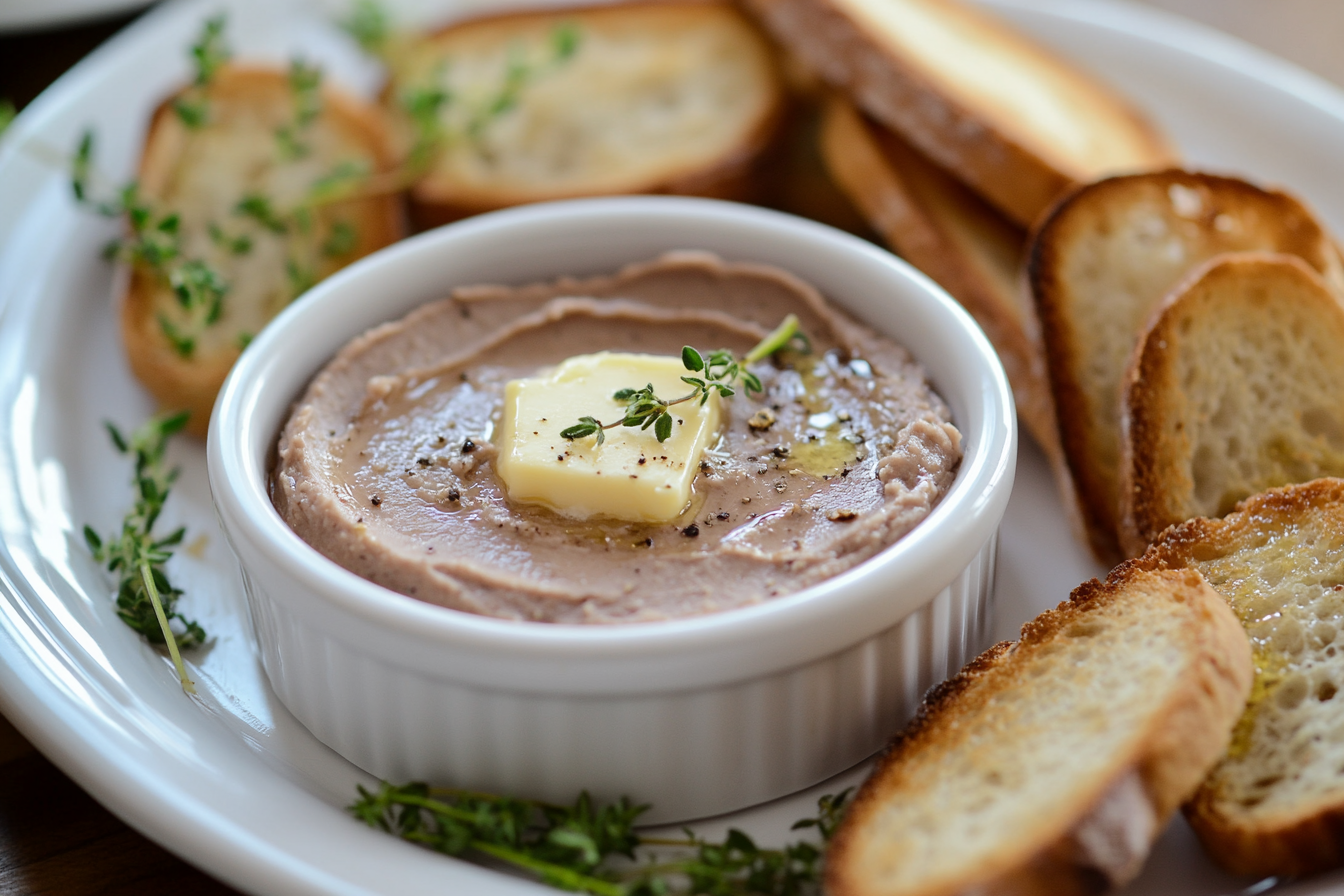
x=232, y=782
x=31, y=15
x=696, y=716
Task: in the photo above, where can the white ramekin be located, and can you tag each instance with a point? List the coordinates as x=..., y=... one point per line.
x=696, y=716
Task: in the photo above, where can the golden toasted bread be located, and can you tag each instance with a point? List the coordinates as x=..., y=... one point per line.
x=1236, y=386
x=1099, y=264
x=655, y=97
x=1274, y=804
x=1048, y=766
x=1007, y=117
x=949, y=233
x=202, y=174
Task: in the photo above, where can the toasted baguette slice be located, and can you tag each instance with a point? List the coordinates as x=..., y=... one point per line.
x=949, y=233
x=657, y=97
x=1236, y=386
x=1050, y=765
x=1007, y=117
x=1098, y=266
x=1274, y=805
x=202, y=175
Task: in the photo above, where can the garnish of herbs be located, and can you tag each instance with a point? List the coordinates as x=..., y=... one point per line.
x=588, y=847
x=146, y=600
x=428, y=103
x=155, y=240
x=718, y=371
x=7, y=114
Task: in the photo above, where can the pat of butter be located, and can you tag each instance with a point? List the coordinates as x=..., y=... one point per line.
x=631, y=475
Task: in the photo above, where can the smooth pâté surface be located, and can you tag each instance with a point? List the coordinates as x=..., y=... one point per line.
x=388, y=465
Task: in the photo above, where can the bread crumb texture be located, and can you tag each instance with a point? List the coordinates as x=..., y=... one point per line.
x=652, y=93
x=1237, y=386
x=1267, y=807
x=1054, y=759
x=1100, y=265
x=203, y=175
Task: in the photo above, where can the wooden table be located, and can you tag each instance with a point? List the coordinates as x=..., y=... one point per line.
x=54, y=838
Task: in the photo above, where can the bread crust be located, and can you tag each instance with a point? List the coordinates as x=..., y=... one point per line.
x=438, y=198
x=1099, y=837
x=1310, y=838
x=1156, y=484
x=1089, y=433
x=887, y=180
x=179, y=383
x=920, y=103
x=1199, y=539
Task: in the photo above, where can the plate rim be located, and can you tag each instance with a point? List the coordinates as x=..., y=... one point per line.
x=33, y=16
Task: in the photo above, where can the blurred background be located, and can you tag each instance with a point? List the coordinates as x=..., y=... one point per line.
x=1308, y=32
x=39, y=39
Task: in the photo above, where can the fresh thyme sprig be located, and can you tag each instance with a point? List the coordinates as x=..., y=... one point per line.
x=719, y=370
x=427, y=105
x=208, y=54
x=305, y=81
x=371, y=26
x=155, y=241
x=564, y=43
x=572, y=847
x=7, y=114
x=146, y=600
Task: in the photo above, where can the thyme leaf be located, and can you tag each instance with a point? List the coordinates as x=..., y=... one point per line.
x=260, y=209
x=210, y=51
x=146, y=600
x=341, y=240
x=199, y=290
x=305, y=82
x=81, y=166
x=234, y=245
x=519, y=72
x=586, y=426
x=343, y=179
x=592, y=848
x=432, y=108
x=154, y=240
x=370, y=25
x=7, y=114
x=422, y=106
x=208, y=54
x=301, y=277
x=719, y=371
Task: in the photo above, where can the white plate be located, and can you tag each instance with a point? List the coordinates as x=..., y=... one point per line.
x=230, y=781
x=24, y=15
